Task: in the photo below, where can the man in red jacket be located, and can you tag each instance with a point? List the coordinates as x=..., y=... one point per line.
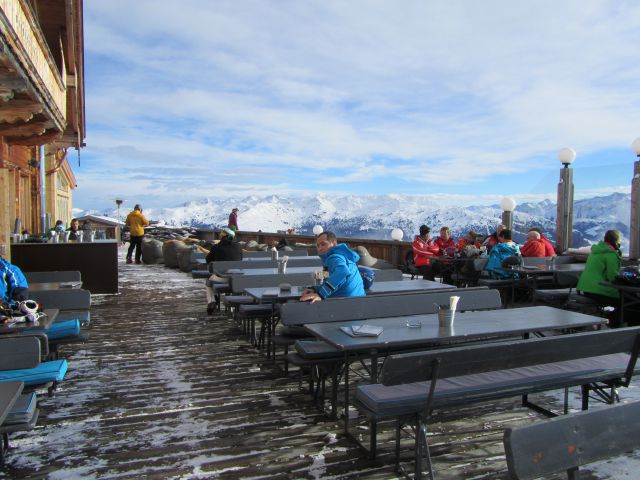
x=549, y=251
x=534, y=247
x=423, y=250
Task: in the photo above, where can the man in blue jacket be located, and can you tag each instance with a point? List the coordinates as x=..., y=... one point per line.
x=344, y=277
x=504, y=249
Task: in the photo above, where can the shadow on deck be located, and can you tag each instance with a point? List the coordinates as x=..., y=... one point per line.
x=163, y=391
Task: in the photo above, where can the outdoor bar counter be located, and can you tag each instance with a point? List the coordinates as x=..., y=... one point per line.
x=97, y=261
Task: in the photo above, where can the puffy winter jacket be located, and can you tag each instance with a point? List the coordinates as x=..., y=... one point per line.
x=344, y=277
x=226, y=249
x=422, y=250
x=497, y=256
x=549, y=251
x=533, y=248
x=136, y=221
x=444, y=244
x=12, y=281
x=603, y=264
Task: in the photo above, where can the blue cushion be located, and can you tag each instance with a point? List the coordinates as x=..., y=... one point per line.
x=58, y=330
x=46, y=372
x=83, y=315
x=23, y=410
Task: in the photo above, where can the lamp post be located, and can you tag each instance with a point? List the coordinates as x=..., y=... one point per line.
x=634, y=225
x=396, y=236
x=508, y=205
x=317, y=230
x=564, y=214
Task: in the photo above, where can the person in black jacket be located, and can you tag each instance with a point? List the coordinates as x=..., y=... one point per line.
x=226, y=249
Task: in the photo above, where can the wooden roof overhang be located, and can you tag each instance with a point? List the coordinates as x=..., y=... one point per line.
x=42, y=72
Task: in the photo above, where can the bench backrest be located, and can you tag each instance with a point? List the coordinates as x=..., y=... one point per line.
x=57, y=276
x=63, y=299
x=569, y=441
x=241, y=282
x=18, y=352
x=296, y=252
x=559, y=260
x=380, y=306
x=266, y=263
x=486, y=357
x=386, y=275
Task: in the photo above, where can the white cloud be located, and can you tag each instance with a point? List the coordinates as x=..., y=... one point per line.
x=332, y=91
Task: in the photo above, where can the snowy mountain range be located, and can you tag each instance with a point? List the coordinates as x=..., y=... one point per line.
x=375, y=216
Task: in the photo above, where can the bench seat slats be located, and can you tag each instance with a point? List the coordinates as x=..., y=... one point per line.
x=310, y=349
x=410, y=398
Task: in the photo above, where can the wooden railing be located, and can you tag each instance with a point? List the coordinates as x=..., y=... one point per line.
x=389, y=250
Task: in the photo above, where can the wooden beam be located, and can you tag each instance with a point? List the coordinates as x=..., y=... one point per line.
x=47, y=137
x=15, y=110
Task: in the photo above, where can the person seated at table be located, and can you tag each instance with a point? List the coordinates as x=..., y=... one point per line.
x=283, y=244
x=423, y=251
x=469, y=239
x=493, y=239
x=603, y=265
x=534, y=246
x=13, y=284
x=342, y=263
x=549, y=250
x=446, y=244
x=504, y=249
x=226, y=249
x=74, y=229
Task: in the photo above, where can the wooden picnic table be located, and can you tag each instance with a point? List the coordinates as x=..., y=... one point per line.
x=265, y=271
x=629, y=298
x=275, y=295
x=398, y=336
x=43, y=323
x=9, y=393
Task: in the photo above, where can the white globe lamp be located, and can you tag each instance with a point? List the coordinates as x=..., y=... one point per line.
x=567, y=156
x=636, y=146
x=508, y=204
x=317, y=230
x=397, y=234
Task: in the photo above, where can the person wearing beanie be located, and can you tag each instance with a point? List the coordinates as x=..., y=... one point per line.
x=226, y=249
x=136, y=222
x=423, y=250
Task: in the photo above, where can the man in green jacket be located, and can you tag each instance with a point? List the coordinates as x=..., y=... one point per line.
x=603, y=265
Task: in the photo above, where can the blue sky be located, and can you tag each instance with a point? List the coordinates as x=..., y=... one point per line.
x=469, y=100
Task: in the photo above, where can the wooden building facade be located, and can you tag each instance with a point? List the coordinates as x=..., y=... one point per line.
x=42, y=111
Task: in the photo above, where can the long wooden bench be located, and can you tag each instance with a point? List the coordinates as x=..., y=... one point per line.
x=311, y=353
x=571, y=441
x=412, y=385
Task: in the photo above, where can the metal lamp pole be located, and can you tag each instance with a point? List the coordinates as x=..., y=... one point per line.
x=508, y=205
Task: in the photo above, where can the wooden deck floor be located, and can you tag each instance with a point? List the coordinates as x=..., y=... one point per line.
x=163, y=391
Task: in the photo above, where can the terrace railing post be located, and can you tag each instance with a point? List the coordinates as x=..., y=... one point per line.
x=634, y=225
x=564, y=217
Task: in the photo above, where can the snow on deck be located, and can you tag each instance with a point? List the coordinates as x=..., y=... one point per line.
x=163, y=391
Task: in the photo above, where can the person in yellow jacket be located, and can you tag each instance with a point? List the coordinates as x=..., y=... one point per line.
x=136, y=221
